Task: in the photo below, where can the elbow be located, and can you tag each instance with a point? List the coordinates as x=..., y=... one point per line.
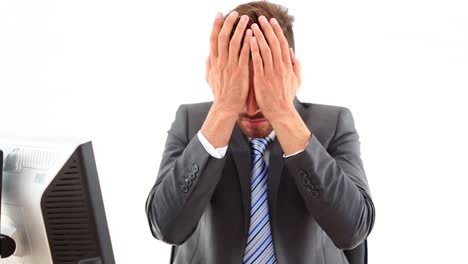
x=349, y=243
x=167, y=233
x=359, y=231
x=352, y=241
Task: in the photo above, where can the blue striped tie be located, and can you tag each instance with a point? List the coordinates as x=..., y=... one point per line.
x=259, y=248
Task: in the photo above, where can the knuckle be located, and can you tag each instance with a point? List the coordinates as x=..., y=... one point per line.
x=223, y=38
x=244, y=49
x=275, y=43
x=233, y=43
x=220, y=66
x=230, y=66
x=213, y=38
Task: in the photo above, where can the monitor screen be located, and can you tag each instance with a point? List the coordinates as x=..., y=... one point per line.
x=51, y=204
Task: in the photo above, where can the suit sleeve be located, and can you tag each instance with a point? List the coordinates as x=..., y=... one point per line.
x=334, y=186
x=186, y=180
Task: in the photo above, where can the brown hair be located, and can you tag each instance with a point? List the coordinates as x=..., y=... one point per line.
x=257, y=8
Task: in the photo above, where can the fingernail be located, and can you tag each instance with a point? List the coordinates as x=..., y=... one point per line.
x=233, y=14
x=254, y=26
x=219, y=15
x=243, y=18
x=274, y=21
x=262, y=18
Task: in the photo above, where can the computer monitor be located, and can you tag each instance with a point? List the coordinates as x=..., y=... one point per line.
x=51, y=203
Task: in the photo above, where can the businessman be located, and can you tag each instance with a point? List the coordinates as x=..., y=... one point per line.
x=256, y=176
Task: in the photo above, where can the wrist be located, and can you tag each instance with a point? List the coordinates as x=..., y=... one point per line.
x=218, y=125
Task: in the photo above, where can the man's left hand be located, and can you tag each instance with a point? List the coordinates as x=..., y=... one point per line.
x=276, y=70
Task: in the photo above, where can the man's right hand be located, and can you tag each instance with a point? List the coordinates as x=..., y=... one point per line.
x=227, y=66
x=227, y=73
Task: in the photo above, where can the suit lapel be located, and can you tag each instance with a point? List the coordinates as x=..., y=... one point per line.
x=275, y=169
x=240, y=149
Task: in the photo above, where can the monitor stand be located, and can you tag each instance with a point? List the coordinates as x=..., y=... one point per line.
x=7, y=244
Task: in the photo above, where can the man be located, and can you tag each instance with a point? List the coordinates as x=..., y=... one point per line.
x=256, y=176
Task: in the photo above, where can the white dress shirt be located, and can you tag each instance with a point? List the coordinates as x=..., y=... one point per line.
x=219, y=153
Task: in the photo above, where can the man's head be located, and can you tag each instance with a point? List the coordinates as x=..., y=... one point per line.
x=258, y=8
x=251, y=110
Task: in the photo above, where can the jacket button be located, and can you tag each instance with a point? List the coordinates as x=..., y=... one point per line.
x=195, y=168
x=305, y=181
x=185, y=188
x=188, y=182
x=314, y=194
x=191, y=176
x=302, y=174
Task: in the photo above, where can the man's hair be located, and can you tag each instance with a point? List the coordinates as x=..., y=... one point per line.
x=270, y=10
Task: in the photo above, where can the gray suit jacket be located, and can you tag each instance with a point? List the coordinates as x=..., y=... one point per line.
x=319, y=200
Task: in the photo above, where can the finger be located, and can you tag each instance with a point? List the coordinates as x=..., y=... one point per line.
x=235, y=43
x=284, y=45
x=217, y=24
x=273, y=41
x=245, y=52
x=256, y=58
x=296, y=65
x=263, y=47
x=225, y=36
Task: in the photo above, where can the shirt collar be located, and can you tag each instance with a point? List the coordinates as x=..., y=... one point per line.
x=271, y=135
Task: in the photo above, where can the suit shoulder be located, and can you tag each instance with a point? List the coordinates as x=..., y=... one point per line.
x=323, y=109
x=198, y=107
x=196, y=115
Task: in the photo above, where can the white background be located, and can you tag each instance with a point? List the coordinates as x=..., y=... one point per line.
x=115, y=71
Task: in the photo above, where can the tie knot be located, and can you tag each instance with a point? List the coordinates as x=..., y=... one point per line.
x=259, y=145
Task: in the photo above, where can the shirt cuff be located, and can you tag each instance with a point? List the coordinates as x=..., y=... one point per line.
x=218, y=153
x=297, y=152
